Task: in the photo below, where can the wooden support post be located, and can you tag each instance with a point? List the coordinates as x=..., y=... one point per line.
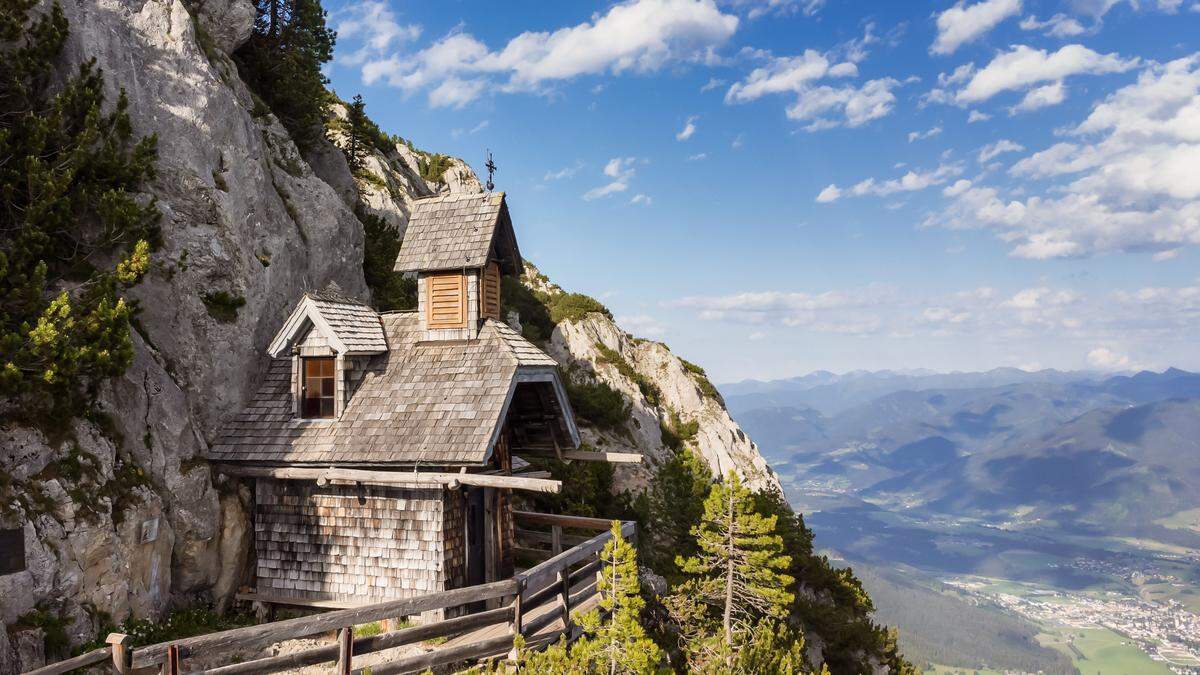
x=564, y=597
x=556, y=539
x=119, y=644
x=345, y=650
x=518, y=620
x=171, y=665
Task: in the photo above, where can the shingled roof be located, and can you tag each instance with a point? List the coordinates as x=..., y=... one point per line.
x=433, y=403
x=350, y=323
x=454, y=231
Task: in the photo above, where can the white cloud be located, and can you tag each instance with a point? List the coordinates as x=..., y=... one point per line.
x=1040, y=97
x=962, y=23
x=689, y=129
x=636, y=36
x=757, y=8
x=909, y=182
x=621, y=170
x=1098, y=8
x=565, y=172
x=713, y=83
x=699, y=156
x=1023, y=66
x=922, y=135
x=1127, y=178
x=1059, y=26
x=374, y=28
x=993, y=150
x=1104, y=358
x=641, y=325
x=977, y=116
x=641, y=199
x=738, y=141
x=820, y=104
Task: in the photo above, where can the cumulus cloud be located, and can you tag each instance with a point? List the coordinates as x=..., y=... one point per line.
x=993, y=150
x=909, y=182
x=374, y=28
x=689, y=128
x=1059, y=26
x=636, y=36
x=816, y=81
x=966, y=23
x=641, y=325
x=1126, y=179
x=641, y=199
x=1040, y=97
x=565, y=172
x=977, y=116
x=922, y=135
x=713, y=83
x=620, y=170
x=1023, y=66
x=699, y=156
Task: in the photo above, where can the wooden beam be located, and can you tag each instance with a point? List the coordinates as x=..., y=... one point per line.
x=588, y=455
x=438, y=657
x=392, y=477
x=84, y=659
x=582, y=522
x=252, y=637
x=254, y=596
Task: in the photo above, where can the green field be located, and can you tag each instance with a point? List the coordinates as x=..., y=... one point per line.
x=1103, y=652
x=954, y=670
x=1183, y=520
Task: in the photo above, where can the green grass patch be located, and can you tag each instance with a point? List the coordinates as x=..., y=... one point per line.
x=612, y=357
x=707, y=390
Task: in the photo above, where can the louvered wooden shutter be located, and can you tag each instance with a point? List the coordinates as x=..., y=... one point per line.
x=445, y=301
x=491, y=291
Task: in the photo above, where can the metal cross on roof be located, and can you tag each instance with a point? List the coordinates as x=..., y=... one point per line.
x=491, y=168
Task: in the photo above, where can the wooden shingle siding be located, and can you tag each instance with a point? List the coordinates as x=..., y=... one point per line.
x=446, y=300
x=452, y=231
x=346, y=542
x=490, y=295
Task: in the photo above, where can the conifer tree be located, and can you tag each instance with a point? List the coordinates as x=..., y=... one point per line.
x=72, y=233
x=358, y=137
x=282, y=63
x=737, y=575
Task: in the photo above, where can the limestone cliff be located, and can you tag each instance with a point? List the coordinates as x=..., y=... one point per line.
x=139, y=524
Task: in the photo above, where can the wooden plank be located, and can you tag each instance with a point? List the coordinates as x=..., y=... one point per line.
x=85, y=659
x=581, y=522
x=564, y=597
x=587, y=571
x=537, y=536
x=119, y=644
x=367, y=645
x=584, y=593
x=556, y=542
x=253, y=637
x=582, y=455
x=439, y=657
x=392, y=477
x=255, y=596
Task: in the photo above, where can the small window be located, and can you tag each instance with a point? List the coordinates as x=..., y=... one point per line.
x=491, y=291
x=445, y=301
x=318, y=388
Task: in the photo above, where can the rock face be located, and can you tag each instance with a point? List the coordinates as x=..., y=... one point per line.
x=144, y=525
x=681, y=393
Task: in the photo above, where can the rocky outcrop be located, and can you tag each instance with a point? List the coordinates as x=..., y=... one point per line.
x=682, y=396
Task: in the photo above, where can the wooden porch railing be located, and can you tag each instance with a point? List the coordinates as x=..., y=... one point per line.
x=533, y=601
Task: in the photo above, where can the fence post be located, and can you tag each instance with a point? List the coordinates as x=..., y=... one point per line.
x=564, y=597
x=556, y=545
x=171, y=665
x=517, y=620
x=119, y=646
x=345, y=650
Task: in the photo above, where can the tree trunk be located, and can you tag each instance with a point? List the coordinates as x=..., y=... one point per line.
x=728, y=621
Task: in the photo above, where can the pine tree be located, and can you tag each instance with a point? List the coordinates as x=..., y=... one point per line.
x=68, y=172
x=674, y=506
x=358, y=136
x=282, y=63
x=737, y=575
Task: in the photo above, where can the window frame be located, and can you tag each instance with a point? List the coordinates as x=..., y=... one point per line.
x=322, y=397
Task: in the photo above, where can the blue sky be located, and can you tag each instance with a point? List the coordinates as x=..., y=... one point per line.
x=778, y=186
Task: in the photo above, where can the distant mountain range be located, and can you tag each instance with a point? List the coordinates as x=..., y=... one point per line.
x=1071, y=480
x=1082, y=451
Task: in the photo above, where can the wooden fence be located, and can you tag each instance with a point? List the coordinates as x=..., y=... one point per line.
x=530, y=604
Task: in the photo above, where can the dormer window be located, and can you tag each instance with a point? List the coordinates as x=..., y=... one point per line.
x=318, y=388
